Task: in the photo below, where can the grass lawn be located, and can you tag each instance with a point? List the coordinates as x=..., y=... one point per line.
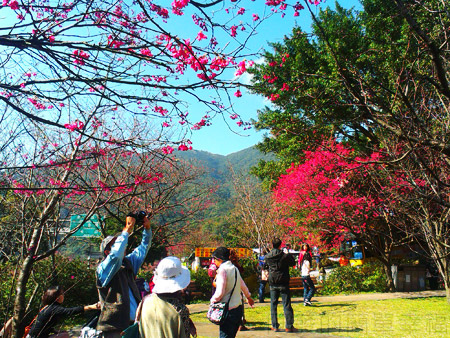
x=399, y=318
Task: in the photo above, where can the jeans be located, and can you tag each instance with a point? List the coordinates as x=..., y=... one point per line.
x=308, y=288
x=275, y=292
x=229, y=328
x=262, y=286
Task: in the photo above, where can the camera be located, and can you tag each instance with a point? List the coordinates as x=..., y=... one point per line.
x=138, y=216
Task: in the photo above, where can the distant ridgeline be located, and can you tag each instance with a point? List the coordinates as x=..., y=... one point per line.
x=218, y=166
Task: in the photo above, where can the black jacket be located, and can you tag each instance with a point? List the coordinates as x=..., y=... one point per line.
x=51, y=316
x=278, y=264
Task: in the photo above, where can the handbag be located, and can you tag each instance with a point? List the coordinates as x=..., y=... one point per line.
x=131, y=331
x=217, y=312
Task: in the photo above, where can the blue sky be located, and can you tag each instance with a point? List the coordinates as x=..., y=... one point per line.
x=218, y=138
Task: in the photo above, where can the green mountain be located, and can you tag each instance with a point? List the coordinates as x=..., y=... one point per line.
x=218, y=166
x=214, y=220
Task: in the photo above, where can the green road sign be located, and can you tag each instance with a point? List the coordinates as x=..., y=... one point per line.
x=89, y=229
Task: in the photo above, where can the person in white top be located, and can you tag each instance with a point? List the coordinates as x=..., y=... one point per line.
x=305, y=263
x=227, y=277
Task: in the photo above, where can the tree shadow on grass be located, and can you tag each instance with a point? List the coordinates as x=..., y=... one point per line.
x=315, y=305
x=332, y=330
x=321, y=330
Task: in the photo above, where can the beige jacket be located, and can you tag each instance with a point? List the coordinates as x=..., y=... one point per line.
x=159, y=319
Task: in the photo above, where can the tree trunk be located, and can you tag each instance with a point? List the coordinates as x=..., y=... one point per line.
x=446, y=278
x=19, y=302
x=390, y=280
x=27, y=265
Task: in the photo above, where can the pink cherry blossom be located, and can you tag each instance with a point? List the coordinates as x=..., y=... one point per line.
x=201, y=36
x=167, y=150
x=234, y=30
x=14, y=5
x=274, y=97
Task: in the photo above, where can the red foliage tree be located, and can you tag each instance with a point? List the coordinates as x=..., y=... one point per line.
x=335, y=193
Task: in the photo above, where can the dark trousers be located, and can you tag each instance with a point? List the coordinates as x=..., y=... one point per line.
x=229, y=328
x=308, y=288
x=112, y=334
x=262, y=286
x=275, y=292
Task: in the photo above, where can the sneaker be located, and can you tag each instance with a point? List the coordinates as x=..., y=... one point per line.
x=308, y=302
x=292, y=329
x=274, y=329
x=305, y=304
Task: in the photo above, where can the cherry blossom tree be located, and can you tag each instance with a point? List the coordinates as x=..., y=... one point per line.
x=145, y=59
x=335, y=193
x=376, y=78
x=86, y=176
x=86, y=85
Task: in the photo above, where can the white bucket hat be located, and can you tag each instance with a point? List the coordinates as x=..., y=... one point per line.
x=170, y=276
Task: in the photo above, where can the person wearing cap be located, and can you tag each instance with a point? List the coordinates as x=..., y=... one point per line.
x=164, y=315
x=227, y=277
x=116, y=274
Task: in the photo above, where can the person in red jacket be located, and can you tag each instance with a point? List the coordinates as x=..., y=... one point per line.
x=212, y=270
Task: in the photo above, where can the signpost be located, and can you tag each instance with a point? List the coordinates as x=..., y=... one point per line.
x=89, y=229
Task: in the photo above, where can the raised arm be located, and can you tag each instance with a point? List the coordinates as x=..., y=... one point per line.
x=138, y=255
x=111, y=264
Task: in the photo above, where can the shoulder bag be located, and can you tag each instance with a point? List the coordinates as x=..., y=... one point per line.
x=217, y=312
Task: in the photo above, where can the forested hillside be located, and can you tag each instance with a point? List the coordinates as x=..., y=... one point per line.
x=218, y=166
x=214, y=220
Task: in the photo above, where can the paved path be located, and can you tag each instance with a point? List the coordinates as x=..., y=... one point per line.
x=211, y=330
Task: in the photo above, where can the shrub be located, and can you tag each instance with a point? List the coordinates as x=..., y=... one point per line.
x=347, y=279
x=202, y=281
x=294, y=272
x=249, y=265
x=146, y=272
